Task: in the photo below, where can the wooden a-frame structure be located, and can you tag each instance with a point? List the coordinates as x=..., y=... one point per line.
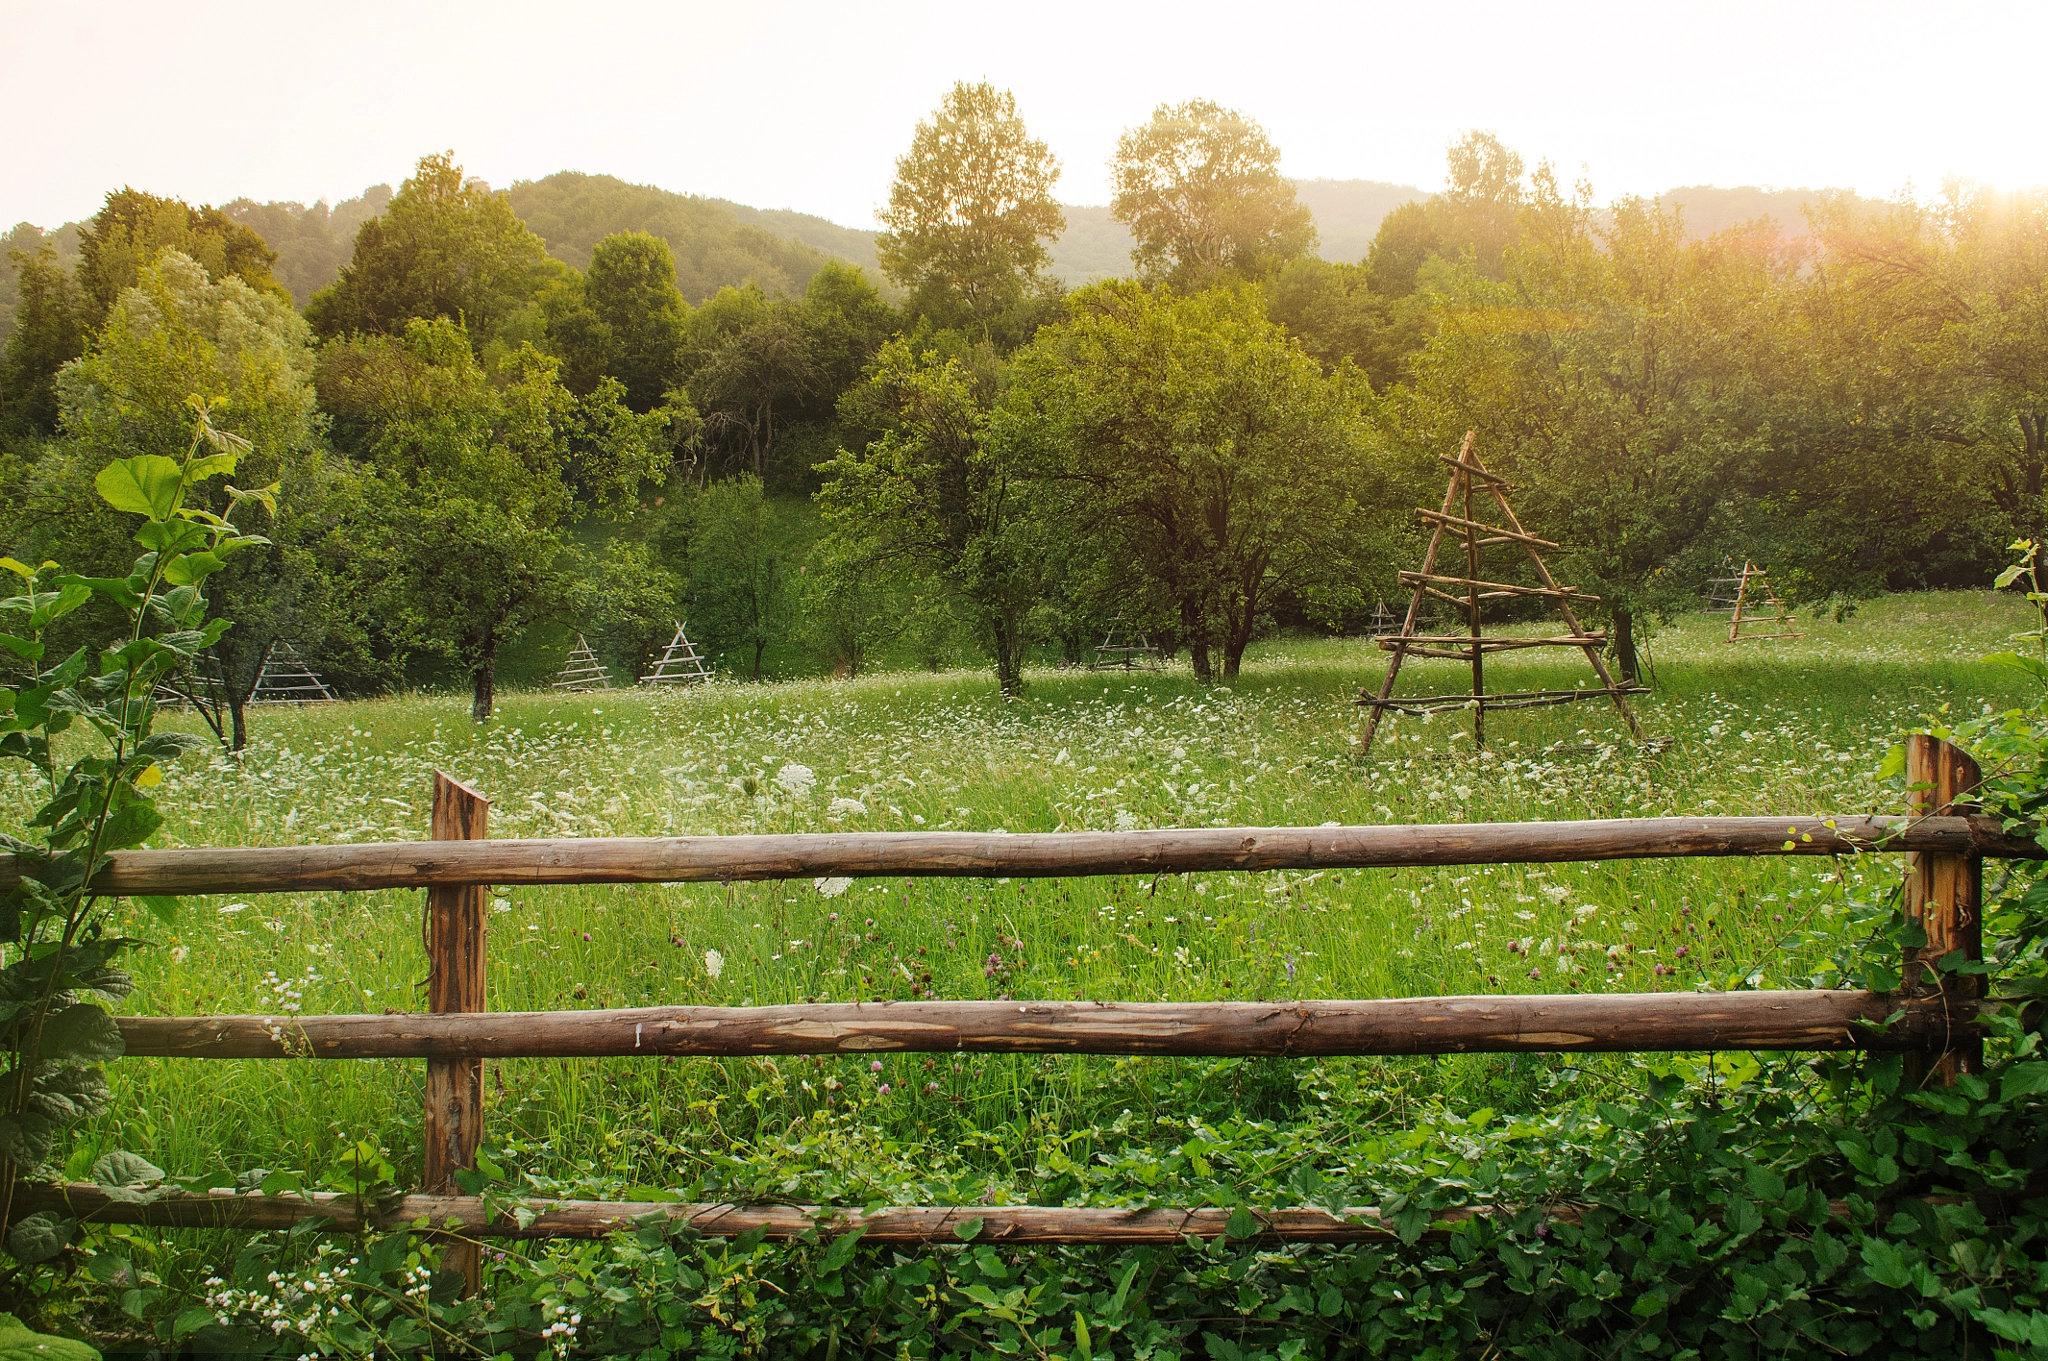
x=285, y=678
x=1754, y=580
x=583, y=671
x=679, y=663
x=1124, y=649
x=1468, y=477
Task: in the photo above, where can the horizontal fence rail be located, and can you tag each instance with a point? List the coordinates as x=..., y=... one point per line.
x=897, y=1224
x=729, y=859
x=597, y=1218
x=1599, y=1023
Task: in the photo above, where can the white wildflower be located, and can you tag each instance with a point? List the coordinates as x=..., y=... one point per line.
x=714, y=963
x=845, y=807
x=796, y=779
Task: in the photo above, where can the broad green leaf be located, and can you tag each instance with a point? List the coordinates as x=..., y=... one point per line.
x=841, y=1251
x=189, y=568
x=170, y=535
x=213, y=465
x=126, y=1177
x=263, y=496
x=1242, y=1224
x=122, y=1168
x=1885, y=1263
x=26, y=1138
x=120, y=590
x=967, y=1230
x=130, y=826
x=81, y=1033
x=38, y=1238
x=147, y=484
x=22, y=647
x=19, y=1343
x=2023, y=1079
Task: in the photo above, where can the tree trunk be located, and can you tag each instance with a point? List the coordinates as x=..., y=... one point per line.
x=1624, y=625
x=1009, y=659
x=238, y=718
x=759, y=648
x=1195, y=627
x=484, y=688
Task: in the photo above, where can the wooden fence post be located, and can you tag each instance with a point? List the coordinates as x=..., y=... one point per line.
x=454, y=1114
x=1945, y=894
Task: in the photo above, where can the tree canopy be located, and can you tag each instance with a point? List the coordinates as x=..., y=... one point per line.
x=447, y=247
x=1200, y=188
x=969, y=211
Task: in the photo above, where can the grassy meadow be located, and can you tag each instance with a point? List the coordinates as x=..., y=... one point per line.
x=1778, y=727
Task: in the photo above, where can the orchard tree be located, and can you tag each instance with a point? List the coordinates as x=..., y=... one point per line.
x=481, y=481
x=742, y=587
x=1949, y=303
x=1212, y=455
x=178, y=333
x=1200, y=188
x=446, y=247
x=1616, y=376
x=931, y=499
x=969, y=212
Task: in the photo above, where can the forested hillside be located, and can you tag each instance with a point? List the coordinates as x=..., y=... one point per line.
x=580, y=405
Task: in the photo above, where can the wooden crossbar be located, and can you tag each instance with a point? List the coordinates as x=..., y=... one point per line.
x=1500, y=587
x=1596, y=1023
x=806, y=855
x=1418, y=705
x=1498, y=535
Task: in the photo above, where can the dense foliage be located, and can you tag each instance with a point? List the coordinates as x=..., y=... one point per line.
x=1853, y=399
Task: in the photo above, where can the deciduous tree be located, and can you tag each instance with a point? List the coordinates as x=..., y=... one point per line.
x=481, y=481
x=935, y=500
x=1203, y=448
x=446, y=247
x=969, y=212
x=1200, y=188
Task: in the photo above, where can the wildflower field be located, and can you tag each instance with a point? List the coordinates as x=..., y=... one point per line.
x=1785, y=727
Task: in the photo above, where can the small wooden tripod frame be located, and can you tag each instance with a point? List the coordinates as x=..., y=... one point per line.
x=1467, y=477
x=1753, y=578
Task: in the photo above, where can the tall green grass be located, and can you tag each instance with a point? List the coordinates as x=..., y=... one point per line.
x=1781, y=727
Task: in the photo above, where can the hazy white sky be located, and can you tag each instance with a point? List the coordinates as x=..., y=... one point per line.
x=806, y=105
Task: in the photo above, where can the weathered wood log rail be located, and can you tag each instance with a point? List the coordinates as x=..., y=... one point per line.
x=1597, y=1023
x=1932, y=1020
x=735, y=859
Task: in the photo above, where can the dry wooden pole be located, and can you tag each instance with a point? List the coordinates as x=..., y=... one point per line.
x=1945, y=895
x=905, y=1224
x=1436, y=539
x=1567, y=1023
x=1472, y=619
x=1038, y=855
x=454, y=1107
x=1564, y=606
x=896, y=1224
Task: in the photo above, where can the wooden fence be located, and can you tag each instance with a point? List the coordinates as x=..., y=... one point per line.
x=1943, y=838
